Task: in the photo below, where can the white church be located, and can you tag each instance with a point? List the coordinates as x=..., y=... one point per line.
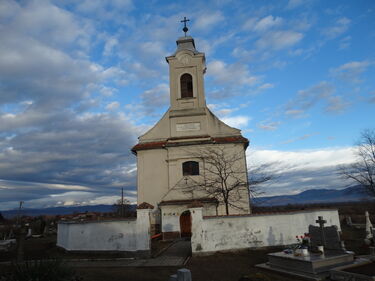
x=171, y=155
x=185, y=164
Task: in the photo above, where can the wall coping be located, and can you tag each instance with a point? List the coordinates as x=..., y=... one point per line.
x=268, y=214
x=96, y=221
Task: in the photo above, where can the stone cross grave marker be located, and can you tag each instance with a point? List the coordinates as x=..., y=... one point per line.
x=328, y=236
x=321, y=226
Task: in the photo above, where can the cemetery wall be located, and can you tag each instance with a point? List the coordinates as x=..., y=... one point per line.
x=211, y=234
x=131, y=236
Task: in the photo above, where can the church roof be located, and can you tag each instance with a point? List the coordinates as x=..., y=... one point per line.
x=194, y=140
x=192, y=202
x=185, y=43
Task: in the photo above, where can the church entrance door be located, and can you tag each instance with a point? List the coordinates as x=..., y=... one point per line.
x=185, y=224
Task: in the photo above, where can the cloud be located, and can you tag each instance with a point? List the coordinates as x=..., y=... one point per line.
x=34, y=60
x=278, y=40
x=304, y=159
x=297, y=171
x=92, y=150
x=113, y=106
x=266, y=86
x=110, y=46
x=269, y=126
x=306, y=136
x=372, y=97
x=155, y=98
x=336, y=104
x=236, y=121
x=236, y=74
x=206, y=21
x=345, y=43
x=296, y=113
x=339, y=27
x=267, y=23
x=104, y=10
x=54, y=137
x=308, y=98
x=292, y=4
x=351, y=71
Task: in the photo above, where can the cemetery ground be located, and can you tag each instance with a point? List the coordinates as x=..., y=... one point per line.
x=230, y=266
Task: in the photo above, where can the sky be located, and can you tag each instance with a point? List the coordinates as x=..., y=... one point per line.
x=81, y=80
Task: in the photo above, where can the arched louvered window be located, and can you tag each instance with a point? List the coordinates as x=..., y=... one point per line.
x=190, y=168
x=186, y=82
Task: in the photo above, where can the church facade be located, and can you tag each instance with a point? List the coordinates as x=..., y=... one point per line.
x=174, y=158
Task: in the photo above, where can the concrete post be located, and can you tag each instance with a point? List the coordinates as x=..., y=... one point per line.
x=143, y=230
x=183, y=274
x=196, y=228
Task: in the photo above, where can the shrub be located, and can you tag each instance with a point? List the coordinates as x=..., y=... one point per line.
x=40, y=270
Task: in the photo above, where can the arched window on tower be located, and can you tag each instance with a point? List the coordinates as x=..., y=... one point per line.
x=186, y=82
x=190, y=168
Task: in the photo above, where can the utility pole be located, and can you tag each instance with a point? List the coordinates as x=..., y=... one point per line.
x=122, y=202
x=19, y=212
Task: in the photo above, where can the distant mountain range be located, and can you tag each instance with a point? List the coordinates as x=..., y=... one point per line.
x=350, y=194
x=58, y=210
x=354, y=193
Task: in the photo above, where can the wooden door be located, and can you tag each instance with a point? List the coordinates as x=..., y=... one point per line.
x=185, y=224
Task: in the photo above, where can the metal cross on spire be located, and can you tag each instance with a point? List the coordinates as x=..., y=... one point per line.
x=185, y=29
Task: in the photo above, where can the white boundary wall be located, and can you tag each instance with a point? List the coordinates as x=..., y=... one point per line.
x=115, y=235
x=211, y=234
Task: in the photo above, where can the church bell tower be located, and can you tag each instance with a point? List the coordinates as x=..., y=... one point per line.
x=165, y=152
x=186, y=69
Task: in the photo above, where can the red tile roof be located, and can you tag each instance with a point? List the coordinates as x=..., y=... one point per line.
x=162, y=144
x=145, y=205
x=188, y=201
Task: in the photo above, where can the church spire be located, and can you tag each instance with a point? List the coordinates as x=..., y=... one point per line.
x=185, y=29
x=186, y=42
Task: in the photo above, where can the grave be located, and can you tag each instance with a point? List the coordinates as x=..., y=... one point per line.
x=6, y=245
x=363, y=270
x=315, y=265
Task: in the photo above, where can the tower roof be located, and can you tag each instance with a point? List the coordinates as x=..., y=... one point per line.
x=186, y=43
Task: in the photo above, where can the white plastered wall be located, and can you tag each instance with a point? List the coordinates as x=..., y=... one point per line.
x=160, y=175
x=252, y=231
x=116, y=235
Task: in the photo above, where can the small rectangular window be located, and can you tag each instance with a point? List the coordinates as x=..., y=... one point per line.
x=190, y=168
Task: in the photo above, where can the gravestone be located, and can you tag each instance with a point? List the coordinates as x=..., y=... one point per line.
x=369, y=226
x=331, y=235
x=29, y=232
x=316, y=265
x=348, y=221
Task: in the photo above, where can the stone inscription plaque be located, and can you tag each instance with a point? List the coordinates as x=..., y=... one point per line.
x=188, y=127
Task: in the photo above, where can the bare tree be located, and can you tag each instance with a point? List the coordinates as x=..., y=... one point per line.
x=260, y=174
x=123, y=208
x=363, y=170
x=224, y=177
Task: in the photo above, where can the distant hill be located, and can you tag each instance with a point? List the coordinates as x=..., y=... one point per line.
x=59, y=210
x=354, y=193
